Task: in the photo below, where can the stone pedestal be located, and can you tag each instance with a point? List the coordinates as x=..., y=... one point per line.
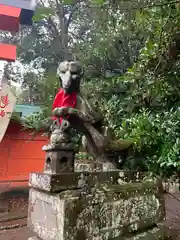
x=95, y=206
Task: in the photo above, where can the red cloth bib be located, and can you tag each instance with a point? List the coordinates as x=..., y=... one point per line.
x=63, y=99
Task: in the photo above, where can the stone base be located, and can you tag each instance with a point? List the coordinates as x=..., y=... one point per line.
x=70, y=181
x=155, y=233
x=108, y=211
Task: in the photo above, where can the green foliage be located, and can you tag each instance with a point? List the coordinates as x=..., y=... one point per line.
x=35, y=121
x=143, y=104
x=83, y=156
x=156, y=137
x=42, y=12
x=99, y=2
x=48, y=88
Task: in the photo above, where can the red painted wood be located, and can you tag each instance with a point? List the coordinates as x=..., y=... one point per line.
x=19, y=155
x=9, y=18
x=8, y=52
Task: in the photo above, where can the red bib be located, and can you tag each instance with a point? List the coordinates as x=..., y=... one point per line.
x=63, y=99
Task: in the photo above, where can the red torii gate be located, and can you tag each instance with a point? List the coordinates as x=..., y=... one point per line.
x=14, y=13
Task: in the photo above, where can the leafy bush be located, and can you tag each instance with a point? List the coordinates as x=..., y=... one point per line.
x=157, y=137
x=83, y=156
x=34, y=121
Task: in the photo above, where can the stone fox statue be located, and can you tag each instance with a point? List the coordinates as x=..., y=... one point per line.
x=72, y=109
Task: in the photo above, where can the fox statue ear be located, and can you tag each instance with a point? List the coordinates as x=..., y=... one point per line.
x=72, y=66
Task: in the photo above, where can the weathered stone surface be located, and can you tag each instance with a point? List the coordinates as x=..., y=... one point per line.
x=33, y=238
x=107, y=212
x=155, y=233
x=171, y=186
x=95, y=166
x=59, y=160
x=63, y=181
x=47, y=214
x=84, y=167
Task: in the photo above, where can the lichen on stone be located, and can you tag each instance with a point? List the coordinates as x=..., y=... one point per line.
x=110, y=210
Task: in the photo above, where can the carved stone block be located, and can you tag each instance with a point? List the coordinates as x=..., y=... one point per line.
x=109, y=211
x=63, y=181
x=59, y=160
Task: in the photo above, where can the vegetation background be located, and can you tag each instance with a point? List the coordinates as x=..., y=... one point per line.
x=131, y=53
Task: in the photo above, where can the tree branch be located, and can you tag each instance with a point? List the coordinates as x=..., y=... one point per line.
x=51, y=22
x=73, y=10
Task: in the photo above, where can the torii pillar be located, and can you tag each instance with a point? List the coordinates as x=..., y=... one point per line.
x=12, y=15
